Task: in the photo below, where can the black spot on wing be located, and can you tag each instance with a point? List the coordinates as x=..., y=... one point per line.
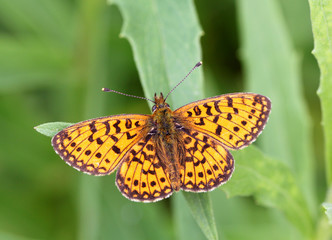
x=208, y=109
x=215, y=119
x=197, y=111
x=128, y=123
x=229, y=102
x=116, y=125
x=116, y=149
x=108, y=128
x=92, y=126
x=130, y=136
x=216, y=106
x=218, y=130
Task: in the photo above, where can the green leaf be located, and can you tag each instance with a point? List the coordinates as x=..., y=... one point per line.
x=185, y=224
x=271, y=183
x=164, y=36
x=201, y=208
x=272, y=68
x=321, y=18
x=52, y=128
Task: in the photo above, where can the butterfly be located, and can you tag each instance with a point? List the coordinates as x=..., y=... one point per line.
x=158, y=154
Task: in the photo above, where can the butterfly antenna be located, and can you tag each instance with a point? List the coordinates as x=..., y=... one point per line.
x=196, y=66
x=128, y=95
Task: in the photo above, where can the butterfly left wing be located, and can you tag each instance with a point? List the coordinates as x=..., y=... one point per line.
x=97, y=146
x=235, y=120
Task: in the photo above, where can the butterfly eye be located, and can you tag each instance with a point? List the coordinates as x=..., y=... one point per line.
x=167, y=105
x=154, y=108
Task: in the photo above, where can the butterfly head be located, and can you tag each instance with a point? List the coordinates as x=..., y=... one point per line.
x=159, y=102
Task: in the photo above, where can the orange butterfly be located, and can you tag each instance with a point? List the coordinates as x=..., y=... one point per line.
x=169, y=150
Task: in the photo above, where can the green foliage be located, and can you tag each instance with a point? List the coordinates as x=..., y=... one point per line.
x=278, y=77
x=272, y=184
x=321, y=17
x=50, y=129
x=201, y=207
x=164, y=36
x=55, y=56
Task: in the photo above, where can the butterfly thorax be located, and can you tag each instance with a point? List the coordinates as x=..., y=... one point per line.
x=167, y=140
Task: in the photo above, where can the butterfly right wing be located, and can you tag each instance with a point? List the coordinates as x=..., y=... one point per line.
x=234, y=119
x=97, y=146
x=207, y=163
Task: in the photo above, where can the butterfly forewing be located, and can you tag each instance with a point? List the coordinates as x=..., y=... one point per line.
x=97, y=146
x=140, y=176
x=207, y=163
x=235, y=119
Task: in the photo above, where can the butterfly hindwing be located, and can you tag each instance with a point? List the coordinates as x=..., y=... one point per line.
x=235, y=119
x=140, y=176
x=97, y=146
x=207, y=163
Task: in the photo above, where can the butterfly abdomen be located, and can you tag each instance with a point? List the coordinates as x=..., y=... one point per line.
x=167, y=145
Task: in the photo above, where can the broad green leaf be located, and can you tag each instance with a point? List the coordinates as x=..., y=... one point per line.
x=50, y=129
x=164, y=36
x=271, y=183
x=272, y=68
x=321, y=18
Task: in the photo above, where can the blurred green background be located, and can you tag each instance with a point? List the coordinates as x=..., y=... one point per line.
x=55, y=56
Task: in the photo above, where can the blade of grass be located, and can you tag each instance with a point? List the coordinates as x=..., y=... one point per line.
x=201, y=207
x=186, y=227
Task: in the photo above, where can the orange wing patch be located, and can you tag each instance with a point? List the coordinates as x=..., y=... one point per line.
x=141, y=176
x=97, y=146
x=235, y=120
x=207, y=163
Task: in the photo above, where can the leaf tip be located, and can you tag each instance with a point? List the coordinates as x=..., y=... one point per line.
x=52, y=128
